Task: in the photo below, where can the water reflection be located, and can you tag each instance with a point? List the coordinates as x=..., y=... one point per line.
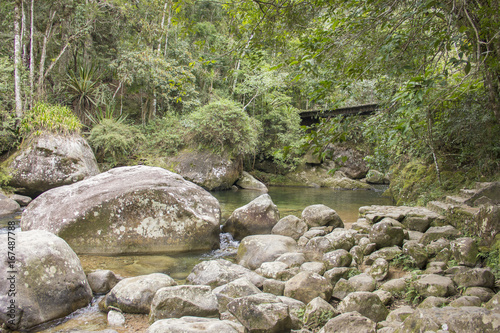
x=292, y=200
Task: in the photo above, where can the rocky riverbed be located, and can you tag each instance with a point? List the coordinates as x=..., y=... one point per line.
x=396, y=269
x=306, y=274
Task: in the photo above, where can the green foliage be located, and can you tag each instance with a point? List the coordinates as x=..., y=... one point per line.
x=5, y=177
x=334, y=130
x=82, y=87
x=165, y=135
x=6, y=83
x=224, y=126
x=412, y=295
x=404, y=262
x=49, y=118
x=491, y=258
x=8, y=131
x=114, y=141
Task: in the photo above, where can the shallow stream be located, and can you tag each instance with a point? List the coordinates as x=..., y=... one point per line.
x=290, y=201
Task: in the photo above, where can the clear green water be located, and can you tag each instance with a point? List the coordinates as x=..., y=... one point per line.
x=292, y=200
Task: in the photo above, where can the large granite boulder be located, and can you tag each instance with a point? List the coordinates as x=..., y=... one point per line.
x=261, y=313
x=290, y=226
x=206, y=169
x=135, y=294
x=136, y=209
x=51, y=160
x=257, y=249
x=193, y=325
x=234, y=289
x=248, y=182
x=434, y=285
x=44, y=280
x=8, y=206
x=321, y=215
x=255, y=218
x=180, y=301
x=366, y=303
x=349, y=322
x=306, y=286
x=219, y=272
x=468, y=319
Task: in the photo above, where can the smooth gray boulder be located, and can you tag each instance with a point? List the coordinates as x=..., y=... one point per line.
x=435, y=285
x=274, y=270
x=8, y=206
x=366, y=303
x=45, y=280
x=452, y=319
x=318, y=312
x=211, y=171
x=248, y=182
x=435, y=233
x=135, y=294
x=261, y=313
x=321, y=215
x=219, y=272
x=348, y=323
x=238, y=288
x=290, y=226
x=51, y=160
x=255, y=218
x=362, y=282
x=180, y=301
x=257, y=249
x=476, y=277
x=137, y=209
x=102, y=281
x=306, y=286
x=337, y=258
x=193, y=325
x=386, y=234
x=466, y=301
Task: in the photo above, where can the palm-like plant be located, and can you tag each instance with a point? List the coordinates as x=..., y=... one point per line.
x=82, y=87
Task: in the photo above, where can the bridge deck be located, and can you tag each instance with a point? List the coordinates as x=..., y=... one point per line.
x=350, y=110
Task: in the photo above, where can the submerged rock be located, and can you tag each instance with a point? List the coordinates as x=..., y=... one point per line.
x=136, y=209
x=48, y=282
x=51, y=160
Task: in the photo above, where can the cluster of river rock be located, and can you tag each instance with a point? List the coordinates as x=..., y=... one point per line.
x=302, y=274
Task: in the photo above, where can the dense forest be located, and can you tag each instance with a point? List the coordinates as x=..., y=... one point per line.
x=146, y=78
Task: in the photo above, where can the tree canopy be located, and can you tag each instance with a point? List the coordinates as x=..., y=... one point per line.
x=433, y=67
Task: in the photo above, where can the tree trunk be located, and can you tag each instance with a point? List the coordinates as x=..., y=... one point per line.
x=17, y=60
x=46, y=36
x=32, y=56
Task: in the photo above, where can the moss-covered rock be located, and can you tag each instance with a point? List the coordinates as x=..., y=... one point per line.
x=46, y=280
x=50, y=160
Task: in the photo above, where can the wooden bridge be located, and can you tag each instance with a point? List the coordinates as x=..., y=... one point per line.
x=310, y=117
